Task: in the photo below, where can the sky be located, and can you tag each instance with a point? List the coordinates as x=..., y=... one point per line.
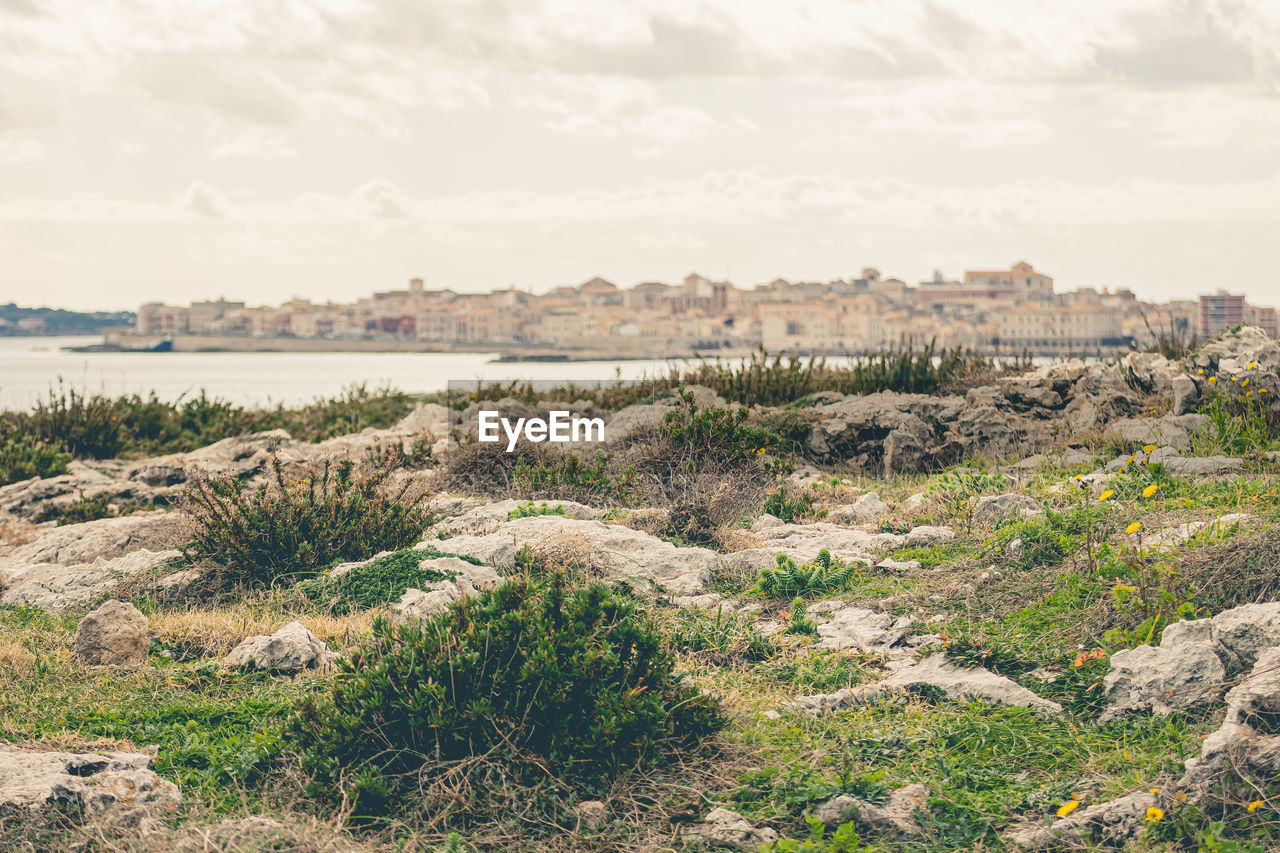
x=264, y=149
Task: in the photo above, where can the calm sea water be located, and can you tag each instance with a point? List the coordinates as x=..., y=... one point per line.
x=29, y=367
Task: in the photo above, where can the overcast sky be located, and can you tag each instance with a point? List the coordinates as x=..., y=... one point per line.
x=261, y=149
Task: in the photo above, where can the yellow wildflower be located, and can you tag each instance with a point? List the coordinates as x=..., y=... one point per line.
x=1107, y=495
x=1133, y=528
x=1068, y=807
x=1150, y=490
x=1212, y=379
x=1263, y=391
x=1154, y=791
x=1149, y=448
x=1180, y=796
x=1254, y=806
x=1200, y=371
x=1155, y=813
x=1252, y=365
x=1245, y=382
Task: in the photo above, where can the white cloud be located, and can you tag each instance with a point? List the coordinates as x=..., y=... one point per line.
x=17, y=149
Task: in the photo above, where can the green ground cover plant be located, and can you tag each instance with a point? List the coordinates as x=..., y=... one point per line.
x=789, y=578
x=377, y=583
x=22, y=458
x=552, y=686
x=284, y=530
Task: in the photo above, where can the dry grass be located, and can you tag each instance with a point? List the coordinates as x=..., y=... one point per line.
x=213, y=633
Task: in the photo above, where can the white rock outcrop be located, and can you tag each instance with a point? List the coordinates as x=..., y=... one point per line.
x=291, y=649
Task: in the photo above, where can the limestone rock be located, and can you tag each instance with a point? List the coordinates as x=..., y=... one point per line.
x=992, y=508
x=1182, y=671
x=935, y=670
x=894, y=819
x=611, y=550
x=488, y=517
x=291, y=649
x=1172, y=430
x=54, y=587
x=591, y=814
x=1246, y=746
x=722, y=829
x=868, y=507
x=106, y=538
x=117, y=785
x=1191, y=663
x=115, y=634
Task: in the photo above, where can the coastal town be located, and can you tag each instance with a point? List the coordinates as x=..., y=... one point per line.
x=1007, y=310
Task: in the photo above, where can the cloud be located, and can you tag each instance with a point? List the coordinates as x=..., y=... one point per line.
x=226, y=86
x=204, y=201
x=15, y=149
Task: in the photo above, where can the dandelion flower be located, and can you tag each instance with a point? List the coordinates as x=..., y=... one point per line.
x=1200, y=371
x=1212, y=379
x=1068, y=807
x=1149, y=448
x=1254, y=806
x=1263, y=391
x=1154, y=791
x=1107, y=495
x=1133, y=528
x=1252, y=365
x=1155, y=813
x=1245, y=382
x=1150, y=490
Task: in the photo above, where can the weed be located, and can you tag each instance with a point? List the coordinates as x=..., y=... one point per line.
x=283, y=529
x=789, y=509
x=790, y=578
x=376, y=583
x=23, y=457
x=529, y=510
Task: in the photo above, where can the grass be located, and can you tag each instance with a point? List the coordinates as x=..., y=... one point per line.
x=96, y=426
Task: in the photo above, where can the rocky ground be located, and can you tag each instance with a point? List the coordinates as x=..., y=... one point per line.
x=1053, y=623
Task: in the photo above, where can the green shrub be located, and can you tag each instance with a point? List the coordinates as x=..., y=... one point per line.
x=1241, y=421
x=788, y=509
x=524, y=683
x=24, y=458
x=284, y=528
x=529, y=509
x=86, y=509
x=693, y=432
x=567, y=476
x=790, y=578
x=376, y=583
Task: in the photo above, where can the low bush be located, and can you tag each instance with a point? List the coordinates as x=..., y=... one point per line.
x=283, y=529
x=789, y=509
x=797, y=579
x=23, y=458
x=96, y=426
x=557, y=475
x=529, y=509
x=86, y=509
x=475, y=712
x=376, y=583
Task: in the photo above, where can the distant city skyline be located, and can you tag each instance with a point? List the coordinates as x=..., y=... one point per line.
x=152, y=150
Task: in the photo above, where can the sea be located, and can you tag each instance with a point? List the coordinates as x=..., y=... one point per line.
x=30, y=367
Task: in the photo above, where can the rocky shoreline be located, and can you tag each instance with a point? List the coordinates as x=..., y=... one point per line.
x=1076, y=549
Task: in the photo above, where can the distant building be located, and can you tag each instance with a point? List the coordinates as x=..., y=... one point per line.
x=1219, y=312
x=1086, y=327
